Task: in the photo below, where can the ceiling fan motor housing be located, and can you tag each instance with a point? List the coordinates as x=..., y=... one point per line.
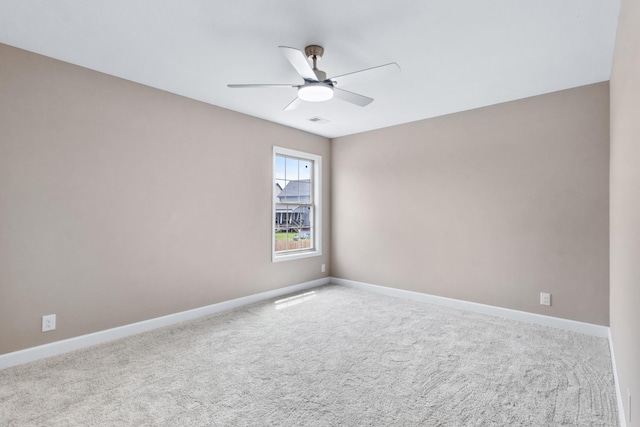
x=314, y=50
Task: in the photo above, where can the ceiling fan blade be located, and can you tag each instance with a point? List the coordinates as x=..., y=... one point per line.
x=351, y=97
x=260, y=85
x=299, y=62
x=379, y=72
x=293, y=104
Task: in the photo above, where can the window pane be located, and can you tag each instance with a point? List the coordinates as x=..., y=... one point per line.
x=282, y=228
x=307, y=229
x=295, y=192
x=305, y=169
x=281, y=183
x=291, y=169
x=280, y=164
x=305, y=191
x=278, y=191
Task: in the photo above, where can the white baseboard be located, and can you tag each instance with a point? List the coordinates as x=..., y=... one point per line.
x=63, y=346
x=555, y=322
x=623, y=418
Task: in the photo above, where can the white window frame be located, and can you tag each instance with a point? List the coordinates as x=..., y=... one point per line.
x=316, y=250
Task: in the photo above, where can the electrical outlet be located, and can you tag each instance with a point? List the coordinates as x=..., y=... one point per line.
x=48, y=322
x=323, y=268
x=545, y=298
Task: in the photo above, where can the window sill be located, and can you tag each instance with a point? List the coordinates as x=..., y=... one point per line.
x=295, y=255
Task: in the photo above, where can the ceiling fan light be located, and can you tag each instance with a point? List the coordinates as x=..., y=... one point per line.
x=315, y=92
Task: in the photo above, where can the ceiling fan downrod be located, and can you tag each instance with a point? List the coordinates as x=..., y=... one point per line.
x=314, y=52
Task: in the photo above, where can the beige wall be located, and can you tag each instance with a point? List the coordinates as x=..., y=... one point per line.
x=120, y=203
x=492, y=205
x=625, y=206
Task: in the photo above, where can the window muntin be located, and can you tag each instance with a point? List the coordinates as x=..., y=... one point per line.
x=296, y=204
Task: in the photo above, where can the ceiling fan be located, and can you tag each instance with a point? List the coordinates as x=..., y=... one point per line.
x=317, y=87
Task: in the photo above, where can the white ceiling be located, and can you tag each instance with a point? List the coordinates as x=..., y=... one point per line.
x=455, y=55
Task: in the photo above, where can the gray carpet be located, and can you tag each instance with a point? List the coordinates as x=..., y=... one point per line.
x=341, y=357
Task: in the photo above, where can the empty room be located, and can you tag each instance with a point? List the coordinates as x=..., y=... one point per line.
x=412, y=213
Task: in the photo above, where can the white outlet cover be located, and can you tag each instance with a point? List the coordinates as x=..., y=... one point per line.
x=48, y=322
x=545, y=298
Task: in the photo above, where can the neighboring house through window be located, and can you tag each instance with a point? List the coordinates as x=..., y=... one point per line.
x=296, y=204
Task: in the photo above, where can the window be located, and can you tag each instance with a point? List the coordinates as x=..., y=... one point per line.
x=296, y=204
